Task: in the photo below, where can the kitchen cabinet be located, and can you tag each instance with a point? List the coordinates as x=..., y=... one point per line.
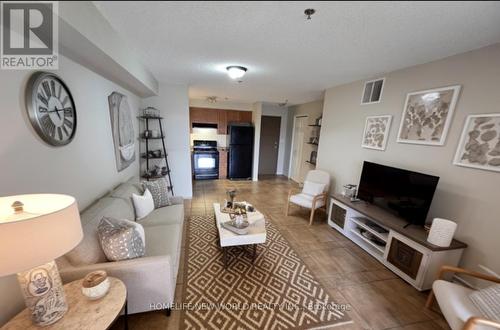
x=232, y=116
x=245, y=117
x=222, y=125
x=204, y=116
x=219, y=117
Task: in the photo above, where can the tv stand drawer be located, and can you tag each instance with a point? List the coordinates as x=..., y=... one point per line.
x=405, y=258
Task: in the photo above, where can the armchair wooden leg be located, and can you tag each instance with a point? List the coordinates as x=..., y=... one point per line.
x=287, y=206
x=312, y=216
x=430, y=300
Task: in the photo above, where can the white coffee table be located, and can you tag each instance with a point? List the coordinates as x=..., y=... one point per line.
x=256, y=231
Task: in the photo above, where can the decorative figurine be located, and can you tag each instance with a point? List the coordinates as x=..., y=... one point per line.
x=231, y=194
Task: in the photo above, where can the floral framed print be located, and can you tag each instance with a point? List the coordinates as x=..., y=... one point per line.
x=479, y=145
x=376, y=132
x=427, y=116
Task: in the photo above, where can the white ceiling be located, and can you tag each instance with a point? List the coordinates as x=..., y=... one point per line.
x=289, y=57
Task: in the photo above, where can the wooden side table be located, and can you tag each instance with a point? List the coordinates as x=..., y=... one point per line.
x=82, y=312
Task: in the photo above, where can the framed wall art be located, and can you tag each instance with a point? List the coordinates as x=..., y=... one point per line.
x=122, y=129
x=479, y=145
x=376, y=132
x=427, y=116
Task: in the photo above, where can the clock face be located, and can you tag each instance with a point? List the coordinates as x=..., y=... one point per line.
x=51, y=108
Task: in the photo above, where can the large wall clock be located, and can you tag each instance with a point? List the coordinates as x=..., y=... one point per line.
x=51, y=108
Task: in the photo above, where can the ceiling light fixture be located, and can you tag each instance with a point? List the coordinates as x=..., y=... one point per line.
x=309, y=12
x=283, y=104
x=236, y=72
x=212, y=99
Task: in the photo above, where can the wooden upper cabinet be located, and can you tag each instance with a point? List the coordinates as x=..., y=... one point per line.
x=222, y=125
x=245, y=116
x=204, y=116
x=232, y=116
x=220, y=117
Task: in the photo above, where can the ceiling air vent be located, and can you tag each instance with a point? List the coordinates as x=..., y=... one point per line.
x=372, y=92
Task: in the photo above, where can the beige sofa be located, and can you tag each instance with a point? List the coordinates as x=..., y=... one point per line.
x=150, y=280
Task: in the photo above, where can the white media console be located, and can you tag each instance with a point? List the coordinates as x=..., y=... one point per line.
x=405, y=251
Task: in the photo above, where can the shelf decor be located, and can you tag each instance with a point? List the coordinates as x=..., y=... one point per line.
x=442, y=232
x=427, y=116
x=479, y=145
x=376, y=132
x=151, y=112
x=313, y=157
x=154, y=170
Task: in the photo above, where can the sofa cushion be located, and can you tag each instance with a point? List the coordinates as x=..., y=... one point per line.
x=305, y=200
x=89, y=250
x=121, y=239
x=313, y=188
x=125, y=191
x=163, y=240
x=168, y=215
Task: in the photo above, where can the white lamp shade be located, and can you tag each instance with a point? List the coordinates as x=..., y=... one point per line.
x=48, y=227
x=442, y=231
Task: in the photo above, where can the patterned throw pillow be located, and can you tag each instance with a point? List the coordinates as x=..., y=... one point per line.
x=159, y=190
x=487, y=300
x=121, y=239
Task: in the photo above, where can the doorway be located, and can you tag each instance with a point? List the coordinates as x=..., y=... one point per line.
x=269, y=144
x=299, y=127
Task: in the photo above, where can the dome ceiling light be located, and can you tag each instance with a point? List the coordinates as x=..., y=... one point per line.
x=236, y=72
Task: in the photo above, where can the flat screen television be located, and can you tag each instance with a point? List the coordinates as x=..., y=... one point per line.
x=404, y=193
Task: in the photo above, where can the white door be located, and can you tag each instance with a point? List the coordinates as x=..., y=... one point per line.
x=300, y=124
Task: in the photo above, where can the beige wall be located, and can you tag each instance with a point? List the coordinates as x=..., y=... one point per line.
x=468, y=196
x=313, y=110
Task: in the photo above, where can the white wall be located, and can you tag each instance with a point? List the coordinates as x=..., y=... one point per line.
x=173, y=103
x=86, y=37
x=256, y=119
x=85, y=168
x=269, y=109
x=468, y=196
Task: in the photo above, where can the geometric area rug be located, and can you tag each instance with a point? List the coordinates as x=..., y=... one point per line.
x=277, y=291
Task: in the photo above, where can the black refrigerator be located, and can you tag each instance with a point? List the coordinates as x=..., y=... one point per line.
x=240, y=155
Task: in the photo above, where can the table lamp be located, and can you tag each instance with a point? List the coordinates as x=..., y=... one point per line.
x=35, y=229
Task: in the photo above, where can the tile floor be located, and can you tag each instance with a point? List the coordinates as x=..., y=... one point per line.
x=378, y=298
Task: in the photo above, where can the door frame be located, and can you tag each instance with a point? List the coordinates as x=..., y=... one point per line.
x=293, y=140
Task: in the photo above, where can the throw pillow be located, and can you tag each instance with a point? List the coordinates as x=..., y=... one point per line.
x=159, y=190
x=313, y=188
x=487, y=300
x=121, y=239
x=143, y=205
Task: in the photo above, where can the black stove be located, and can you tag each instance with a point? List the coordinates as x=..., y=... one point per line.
x=205, y=160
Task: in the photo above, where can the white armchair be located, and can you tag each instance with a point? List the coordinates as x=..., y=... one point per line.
x=314, y=193
x=455, y=304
